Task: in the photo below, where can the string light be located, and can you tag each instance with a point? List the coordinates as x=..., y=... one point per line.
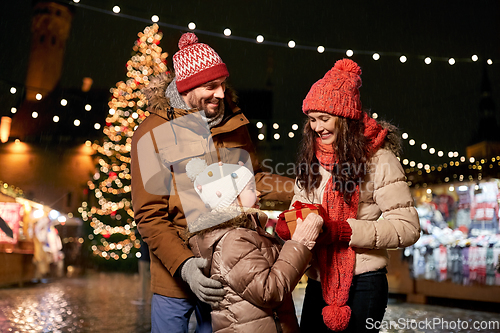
x=260, y=39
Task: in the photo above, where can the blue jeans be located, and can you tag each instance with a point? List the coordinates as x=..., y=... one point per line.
x=368, y=298
x=172, y=315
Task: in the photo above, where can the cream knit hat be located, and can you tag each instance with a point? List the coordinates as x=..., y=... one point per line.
x=218, y=184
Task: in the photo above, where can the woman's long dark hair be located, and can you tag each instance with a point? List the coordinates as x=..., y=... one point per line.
x=351, y=153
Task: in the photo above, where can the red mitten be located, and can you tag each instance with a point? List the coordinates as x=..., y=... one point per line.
x=282, y=228
x=335, y=231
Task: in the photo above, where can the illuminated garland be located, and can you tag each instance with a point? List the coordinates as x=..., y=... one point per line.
x=260, y=39
x=110, y=183
x=11, y=190
x=455, y=171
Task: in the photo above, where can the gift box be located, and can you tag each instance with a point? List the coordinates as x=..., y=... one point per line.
x=300, y=211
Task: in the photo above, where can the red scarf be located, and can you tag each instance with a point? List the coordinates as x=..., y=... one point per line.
x=337, y=259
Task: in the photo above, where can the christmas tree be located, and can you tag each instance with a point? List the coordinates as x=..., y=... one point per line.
x=107, y=215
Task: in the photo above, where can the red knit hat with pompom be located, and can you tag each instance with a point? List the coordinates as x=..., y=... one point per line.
x=196, y=63
x=337, y=93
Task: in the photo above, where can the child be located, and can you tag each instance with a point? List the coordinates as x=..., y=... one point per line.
x=258, y=278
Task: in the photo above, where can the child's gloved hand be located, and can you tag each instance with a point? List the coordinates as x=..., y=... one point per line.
x=308, y=230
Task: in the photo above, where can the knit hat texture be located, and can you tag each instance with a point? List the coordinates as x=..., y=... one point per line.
x=196, y=63
x=337, y=93
x=218, y=184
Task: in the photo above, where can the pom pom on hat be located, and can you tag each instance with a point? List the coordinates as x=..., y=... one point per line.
x=337, y=93
x=347, y=65
x=187, y=39
x=195, y=167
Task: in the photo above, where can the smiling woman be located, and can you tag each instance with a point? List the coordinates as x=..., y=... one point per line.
x=346, y=156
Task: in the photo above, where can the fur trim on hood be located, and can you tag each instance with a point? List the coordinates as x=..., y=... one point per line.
x=155, y=92
x=393, y=139
x=229, y=217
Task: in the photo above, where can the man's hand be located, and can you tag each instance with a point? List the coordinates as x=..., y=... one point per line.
x=207, y=290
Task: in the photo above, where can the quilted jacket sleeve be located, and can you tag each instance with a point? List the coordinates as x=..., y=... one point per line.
x=249, y=268
x=390, y=194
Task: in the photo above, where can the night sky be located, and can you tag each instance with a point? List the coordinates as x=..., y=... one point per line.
x=436, y=104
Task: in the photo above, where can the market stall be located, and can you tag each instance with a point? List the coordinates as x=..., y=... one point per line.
x=457, y=255
x=30, y=247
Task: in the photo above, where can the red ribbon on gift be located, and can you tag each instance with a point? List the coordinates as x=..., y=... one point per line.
x=298, y=205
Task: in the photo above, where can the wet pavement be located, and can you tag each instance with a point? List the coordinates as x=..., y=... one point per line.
x=110, y=302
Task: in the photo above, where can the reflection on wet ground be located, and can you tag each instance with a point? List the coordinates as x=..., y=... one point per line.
x=100, y=302
x=110, y=302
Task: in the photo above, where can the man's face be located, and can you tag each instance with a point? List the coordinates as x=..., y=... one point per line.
x=208, y=97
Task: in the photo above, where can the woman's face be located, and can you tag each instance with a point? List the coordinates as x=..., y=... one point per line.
x=324, y=125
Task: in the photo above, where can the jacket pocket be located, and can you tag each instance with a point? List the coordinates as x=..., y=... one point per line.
x=177, y=153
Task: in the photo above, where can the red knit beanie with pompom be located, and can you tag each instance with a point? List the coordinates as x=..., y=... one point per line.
x=337, y=93
x=196, y=63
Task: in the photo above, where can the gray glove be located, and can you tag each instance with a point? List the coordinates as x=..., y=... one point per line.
x=207, y=290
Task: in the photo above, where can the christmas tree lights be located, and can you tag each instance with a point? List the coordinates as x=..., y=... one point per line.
x=108, y=212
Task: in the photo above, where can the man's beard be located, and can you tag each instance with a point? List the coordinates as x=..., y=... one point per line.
x=202, y=106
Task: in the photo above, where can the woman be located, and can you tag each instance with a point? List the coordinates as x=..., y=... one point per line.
x=348, y=164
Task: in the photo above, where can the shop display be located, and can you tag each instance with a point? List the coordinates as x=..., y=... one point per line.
x=460, y=239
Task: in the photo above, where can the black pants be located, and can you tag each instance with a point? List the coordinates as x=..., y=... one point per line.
x=368, y=298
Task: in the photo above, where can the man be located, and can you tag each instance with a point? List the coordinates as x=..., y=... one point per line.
x=192, y=114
